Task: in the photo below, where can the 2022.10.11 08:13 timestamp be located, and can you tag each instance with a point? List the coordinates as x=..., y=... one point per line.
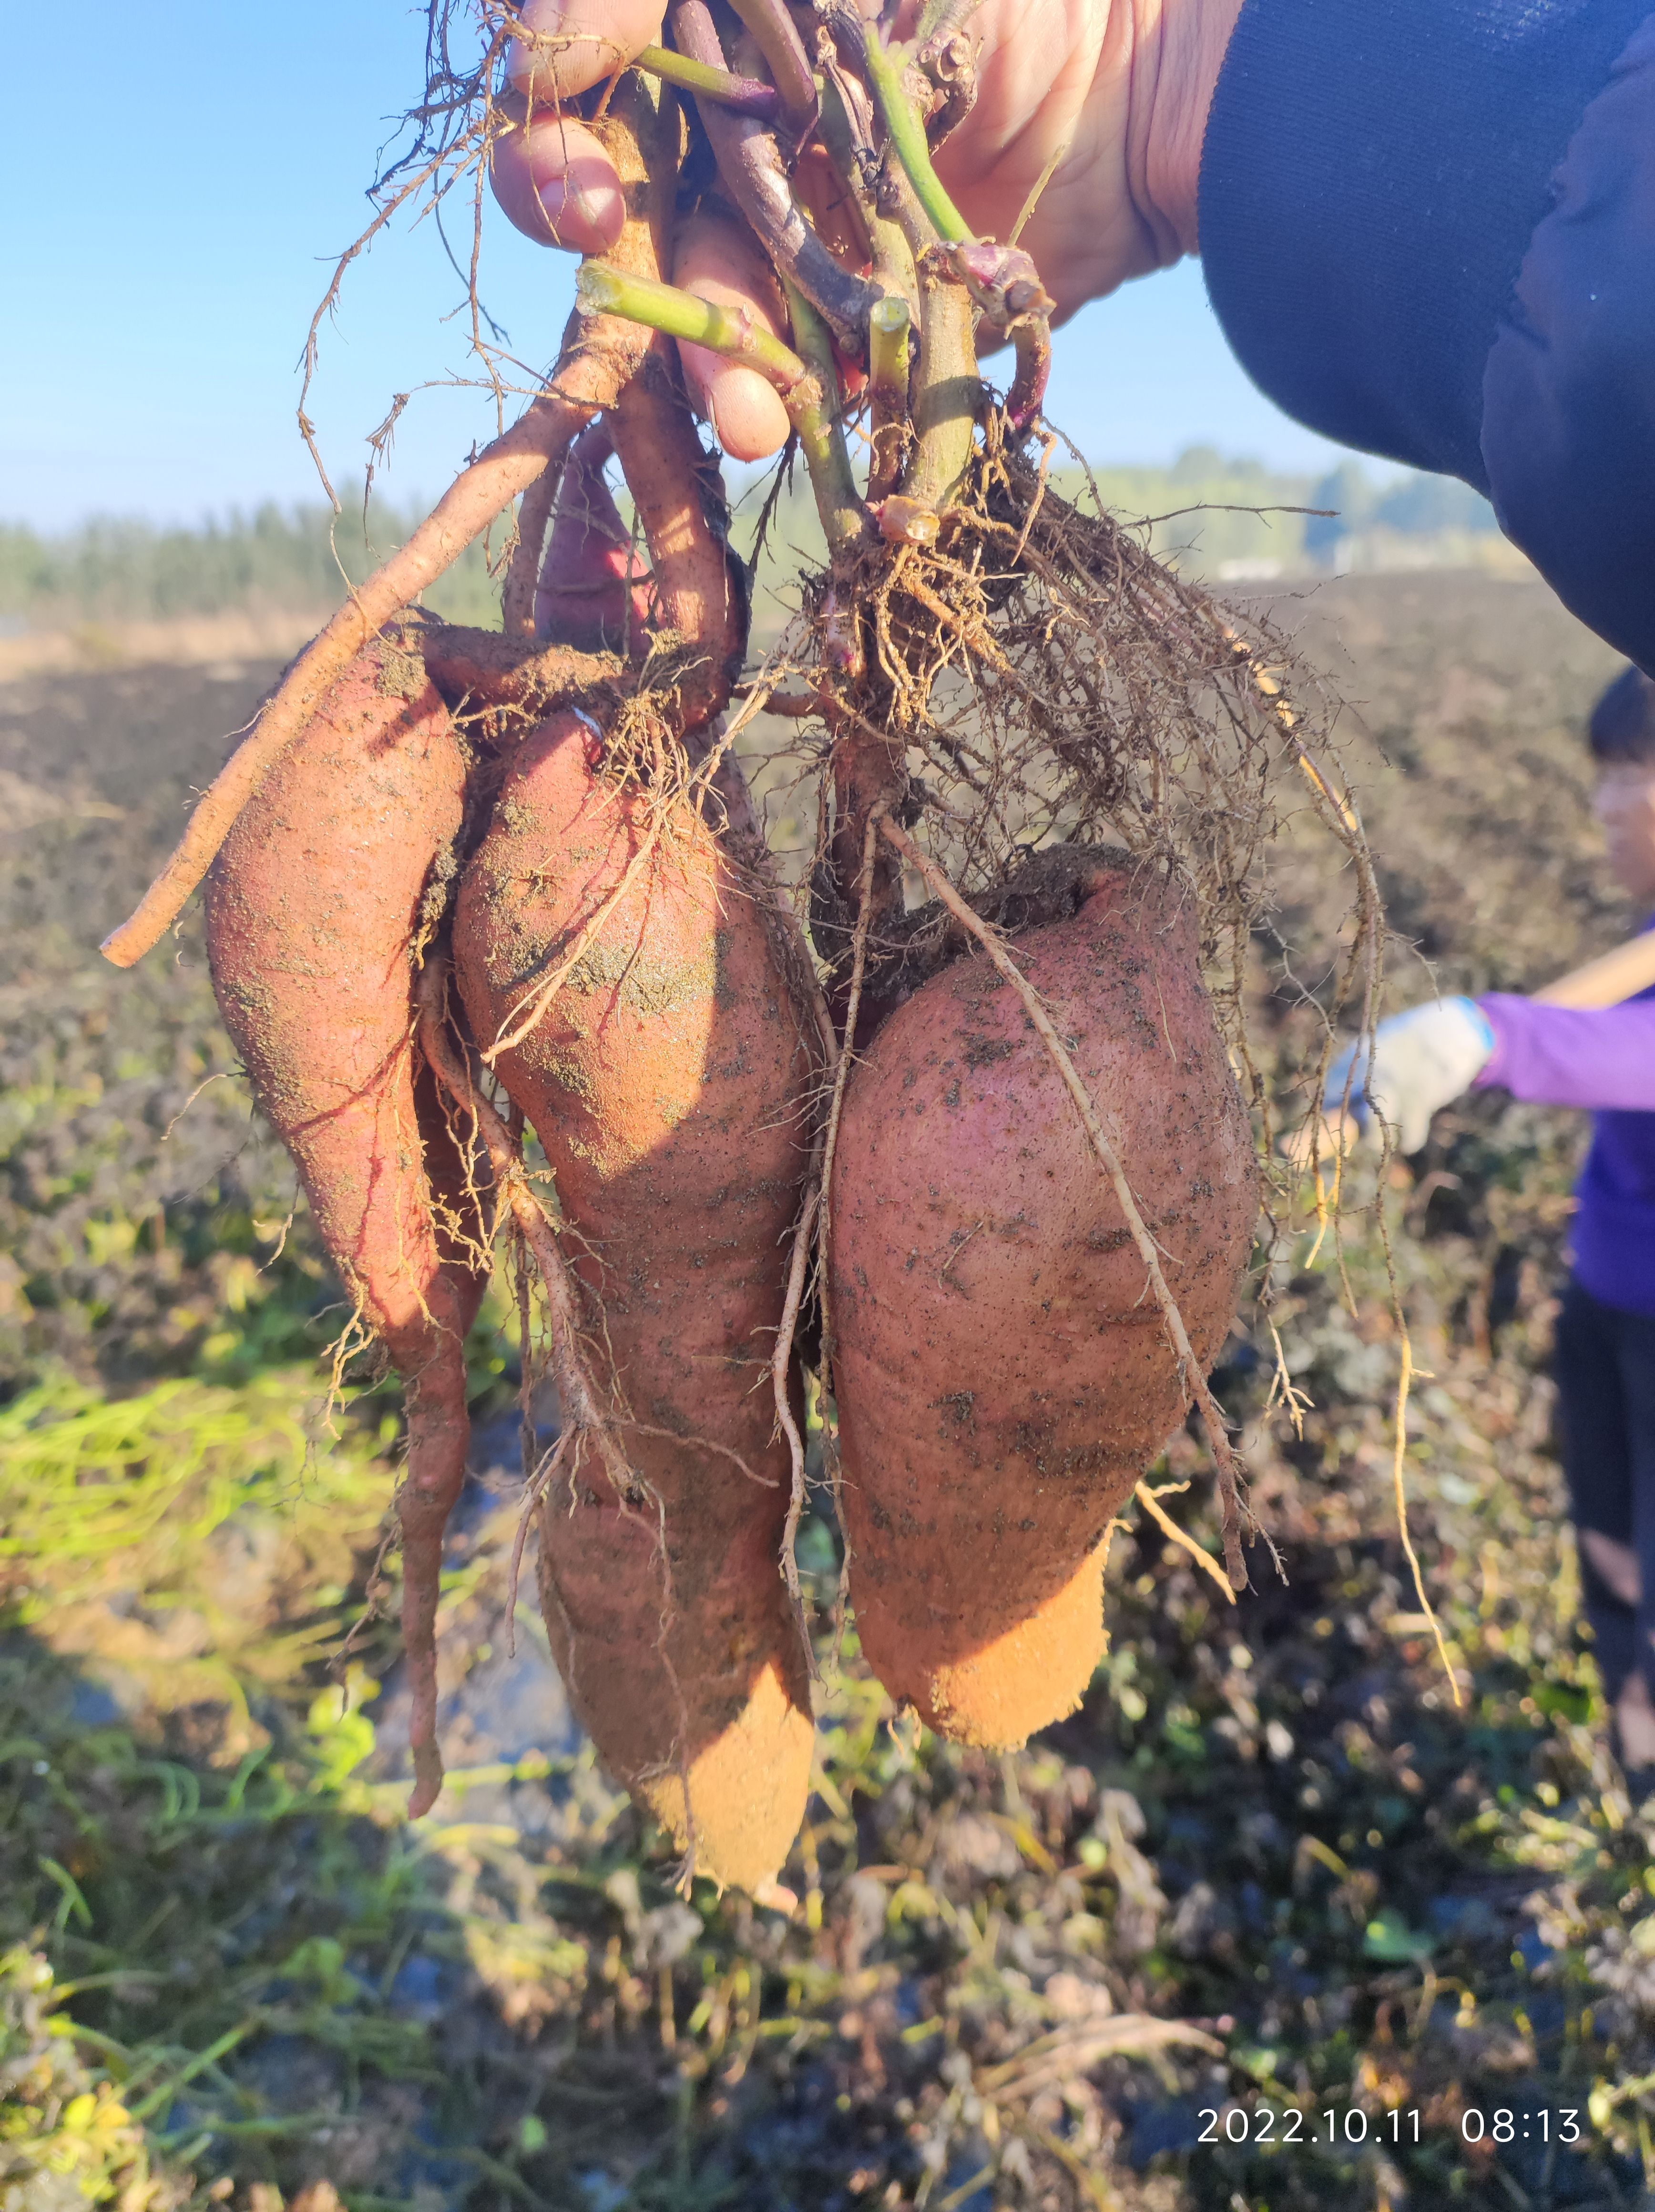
x=1263, y=2124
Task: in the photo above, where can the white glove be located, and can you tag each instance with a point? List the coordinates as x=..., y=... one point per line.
x=1419, y=1060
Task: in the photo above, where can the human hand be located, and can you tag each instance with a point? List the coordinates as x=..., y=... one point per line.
x=1115, y=92
x=1419, y=1060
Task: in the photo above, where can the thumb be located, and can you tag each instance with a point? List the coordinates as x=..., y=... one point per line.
x=568, y=44
x=556, y=184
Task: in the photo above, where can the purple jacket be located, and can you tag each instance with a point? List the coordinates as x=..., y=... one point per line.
x=1559, y=1056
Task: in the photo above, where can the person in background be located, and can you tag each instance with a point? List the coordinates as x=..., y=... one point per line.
x=1604, y=1060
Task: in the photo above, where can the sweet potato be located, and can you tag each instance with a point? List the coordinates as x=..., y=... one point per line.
x=1003, y=1372
x=664, y=1079
x=594, y=589
x=313, y=913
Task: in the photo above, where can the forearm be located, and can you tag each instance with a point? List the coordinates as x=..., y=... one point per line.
x=1119, y=90
x=1429, y=230
x=1604, y=1059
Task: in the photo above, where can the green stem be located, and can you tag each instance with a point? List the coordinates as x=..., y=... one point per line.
x=814, y=413
x=808, y=386
x=907, y=136
x=894, y=270
x=748, y=96
x=951, y=391
x=732, y=331
x=888, y=328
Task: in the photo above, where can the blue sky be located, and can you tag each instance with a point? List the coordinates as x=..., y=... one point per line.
x=176, y=192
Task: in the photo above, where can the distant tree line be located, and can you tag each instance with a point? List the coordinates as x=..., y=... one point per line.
x=1419, y=507
x=119, y=569
x=1213, y=514
x=1219, y=516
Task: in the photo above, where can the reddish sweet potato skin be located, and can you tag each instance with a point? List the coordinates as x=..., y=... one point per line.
x=313, y=909
x=1001, y=1369
x=665, y=1082
x=593, y=591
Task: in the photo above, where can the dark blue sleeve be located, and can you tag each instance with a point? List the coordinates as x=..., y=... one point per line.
x=1429, y=230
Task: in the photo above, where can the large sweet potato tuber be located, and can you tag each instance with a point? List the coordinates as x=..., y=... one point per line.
x=664, y=1079
x=313, y=913
x=1003, y=1370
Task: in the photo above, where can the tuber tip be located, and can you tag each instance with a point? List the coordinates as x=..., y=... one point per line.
x=118, y=949
x=428, y=1780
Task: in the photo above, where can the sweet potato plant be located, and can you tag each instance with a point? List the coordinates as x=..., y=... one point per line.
x=962, y=1137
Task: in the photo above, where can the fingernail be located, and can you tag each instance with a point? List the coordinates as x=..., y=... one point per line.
x=526, y=60
x=565, y=56
x=601, y=206
x=580, y=208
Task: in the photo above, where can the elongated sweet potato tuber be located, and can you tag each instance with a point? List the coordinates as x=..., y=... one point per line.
x=1003, y=1371
x=314, y=917
x=664, y=1079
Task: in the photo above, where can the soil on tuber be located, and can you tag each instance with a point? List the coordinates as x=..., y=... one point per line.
x=317, y=906
x=667, y=1080
x=1003, y=1378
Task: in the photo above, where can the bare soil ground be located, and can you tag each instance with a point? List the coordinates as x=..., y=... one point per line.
x=1271, y=1867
